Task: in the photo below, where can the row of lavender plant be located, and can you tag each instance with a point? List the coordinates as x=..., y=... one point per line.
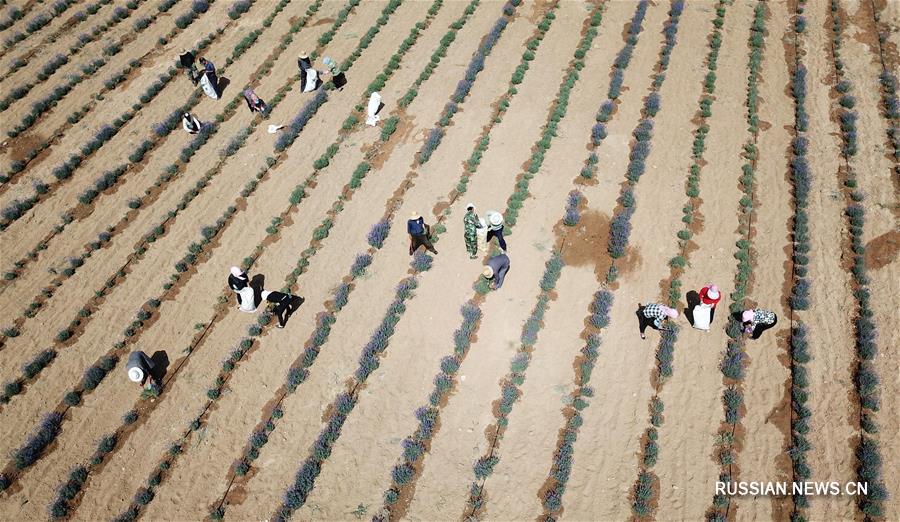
x=734, y=358
x=146, y=495
x=476, y=65
x=18, y=208
x=319, y=233
x=643, y=491
x=295, y=497
x=405, y=474
x=889, y=100
x=299, y=369
x=161, y=130
x=801, y=181
x=108, y=180
x=77, y=18
x=192, y=257
x=866, y=377
x=52, y=66
x=49, y=102
x=33, y=26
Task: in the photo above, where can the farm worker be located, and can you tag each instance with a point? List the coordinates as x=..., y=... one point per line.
x=338, y=78
x=209, y=72
x=246, y=295
x=254, y=103
x=139, y=367
x=495, y=228
x=284, y=305
x=190, y=123
x=757, y=321
x=419, y=233
x=705, y=310
x=187, y=61
x=496, y=269
x=372, y=117
x=471, y=224
x=308, y=76
x=653, y=316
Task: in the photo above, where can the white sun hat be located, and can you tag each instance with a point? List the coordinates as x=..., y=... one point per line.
x=488, y=272
x=135, y=374
x=495, y=218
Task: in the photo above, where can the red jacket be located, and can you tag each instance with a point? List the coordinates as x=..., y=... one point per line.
x=705, y=299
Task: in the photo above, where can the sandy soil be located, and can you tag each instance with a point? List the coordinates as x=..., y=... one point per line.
x=198, y=332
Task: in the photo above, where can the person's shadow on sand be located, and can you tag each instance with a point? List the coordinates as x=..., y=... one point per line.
x=160, y=361
x=693, y=299
x=222, y=85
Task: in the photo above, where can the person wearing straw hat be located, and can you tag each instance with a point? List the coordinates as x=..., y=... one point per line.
x=419, y=233
x=653, y=316
x=471, y=224
x=495, y=228
x=704, y=311
x=247, y=297
x=496, y=270
x=140, y=368
x=756, y=321
x=186, y=58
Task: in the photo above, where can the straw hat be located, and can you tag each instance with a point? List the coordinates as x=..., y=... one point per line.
x=303, y=56
x=135, y=374
x=415, y=215
x=495, y=218
x=488, y=272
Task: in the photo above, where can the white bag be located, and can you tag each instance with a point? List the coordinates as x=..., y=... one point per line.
x=374, y=103
x=248, y=299
x=312, y=76
x=208, y=88
x=481, y=235
x=702, y=313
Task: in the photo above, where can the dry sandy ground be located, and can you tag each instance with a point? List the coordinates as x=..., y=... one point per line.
x=198, y=331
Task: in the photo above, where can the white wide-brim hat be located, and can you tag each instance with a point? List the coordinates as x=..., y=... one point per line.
x=488, y=272
x=135, y=374
x=712, y=294
x=495, y=218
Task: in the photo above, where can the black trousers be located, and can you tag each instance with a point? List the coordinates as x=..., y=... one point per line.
x=420, y=240
x=644, y=321
x=499, y=235
x=760, y=328
x=283, y=307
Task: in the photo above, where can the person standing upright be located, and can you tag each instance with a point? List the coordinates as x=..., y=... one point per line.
x=419, y=233
x=495, y=228
x=471, y=224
